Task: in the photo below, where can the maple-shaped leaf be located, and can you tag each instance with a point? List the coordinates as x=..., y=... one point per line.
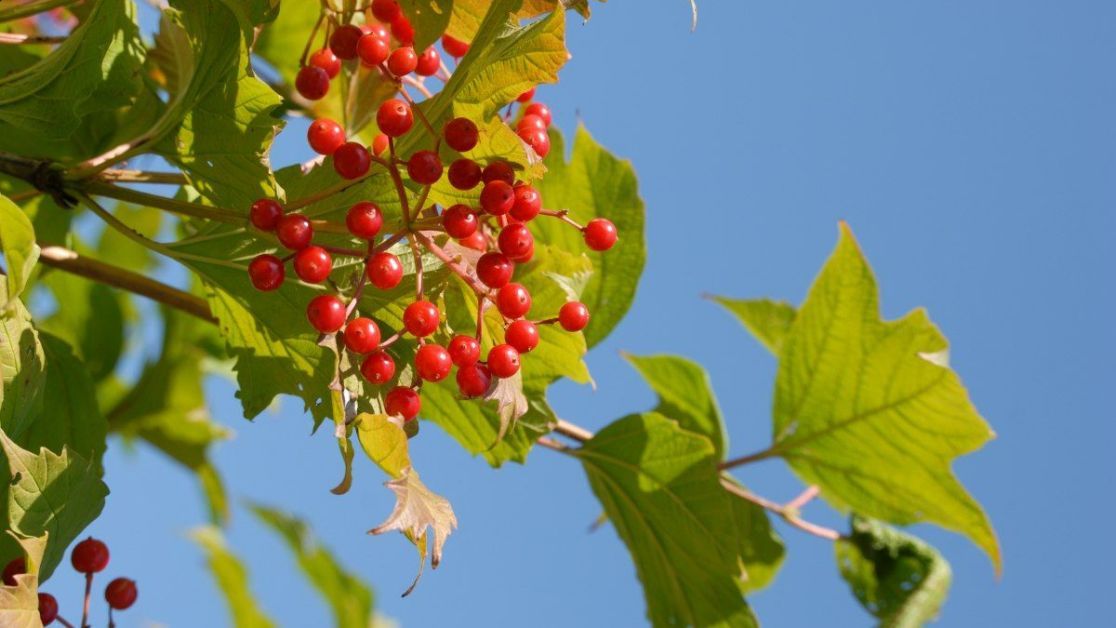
x=19, y=604
x=417, y=512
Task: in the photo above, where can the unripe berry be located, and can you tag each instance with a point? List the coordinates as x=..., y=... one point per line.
x=404, y=402
x=498, y=171
x=325, y=136
x=294, y=231
x=515, y=240
x=477, y=241
x=600, y=234
x=537, y=140
x=326, y=313
x=380, y=144
x=540, y=110
x=402, y=30
x=494, y=269
x=385, y=271
x=503, y=361
x=424, y=167
x=265, y=214
x=421, y=318
x=18, y=567
x=473, y=380
x=343, y=41
x=266, y=272
x=362, y=335
x=464, y=350
x=313, y=264
x=464, y=174
x=497, y=197
x=121, y=593
x=89, y=556
x=459, y=221
x=428, y=62
x=454, y=47
x=433, y=362
x=364, y=220
x=402, y=61
x=394, y=117
x=372, y=50
x=573, y=316
x=528, y=202
x=527, y=95
x=312, y=82
x=326, y=60
x=386, y=10
x=48, y=608
x=513, y=300
x=378, y=367
x=523, y=335
x=461, y=134
x=351, y=160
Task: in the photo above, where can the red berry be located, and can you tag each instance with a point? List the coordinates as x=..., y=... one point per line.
x=378, y=367
x=573, y=316
x=266, y=272
x=428, y=62
x=404, y=402
x=528, y=202
x=527, y=95
x=537, y=140
x=121, y=593
x=513, y=300
x=265, y=214
x=48, y=608
x=531, y=122
x=18, y=567
x=89, y=556
x=385, y=271
x=473, y=380
x=362, y=335
x=313, y=264
x=464, y=350
x=343, y=41
x=351, y=160
x=503, y=361
x=433, y=362
x=326, y=60
x=424, y=167
x=464, y=174
x=325, y=136
x=515, y=240
x=600, y=234
x=523, y=335
x=454, y=47
x=525, y=256
x=421, y=318
x=461, y=134
x=459, y=221
x=380, y=144
x=364, y=220
x=394, y=117
x=402, y=61
x=378, y=31
x=477, y=242
x=294, y=231
x=494, y=269
x=497, y=197
x=326, y=313
x=312, y=82
x=540, y=110
x=498, y=171
x=386, y=10
x=372, y=50
x=403, y=31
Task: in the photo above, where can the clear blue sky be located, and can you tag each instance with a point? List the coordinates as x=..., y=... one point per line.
x=972, y=147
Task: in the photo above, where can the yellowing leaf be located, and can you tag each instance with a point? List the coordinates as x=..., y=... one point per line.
x=385, y=442
x=19, y=604
x=418, y=511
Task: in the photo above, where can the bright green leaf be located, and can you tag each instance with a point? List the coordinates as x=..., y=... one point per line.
x=685, y=395
x=90, y=317
x=17, y=237
x=23, y=370
x=429, y=18
x=232, y=580
x=769, y=321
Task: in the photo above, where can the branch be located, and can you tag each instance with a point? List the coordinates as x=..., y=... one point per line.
x=788, y=511
x=743, y=460
x=72, y=262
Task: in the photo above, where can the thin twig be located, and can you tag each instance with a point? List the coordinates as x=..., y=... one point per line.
x=743, y=460
x=21, y=39
x=790, y=515
x=580, y=434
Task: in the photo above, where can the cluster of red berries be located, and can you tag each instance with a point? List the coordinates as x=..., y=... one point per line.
x=88, y=557
x=498, y=228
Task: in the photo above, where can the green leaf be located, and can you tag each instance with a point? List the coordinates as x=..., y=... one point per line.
x=685, y=395
x=90, y=317
x=56, y=103
x=897, y=577
x=467, y=14
x=769, y=321
x=759, y=547
x=280, y=43
x=429, y=17
x=660, y=487
x=476, y=425
x=348, y=596
x=19, y=604
x=70, y=416
x=17, y=237
x=54, y=494
x=594, y=183
x=22, y=366
x=232, y=580
x=870, y=412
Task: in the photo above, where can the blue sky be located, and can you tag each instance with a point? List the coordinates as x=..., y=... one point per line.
x=971, y=147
